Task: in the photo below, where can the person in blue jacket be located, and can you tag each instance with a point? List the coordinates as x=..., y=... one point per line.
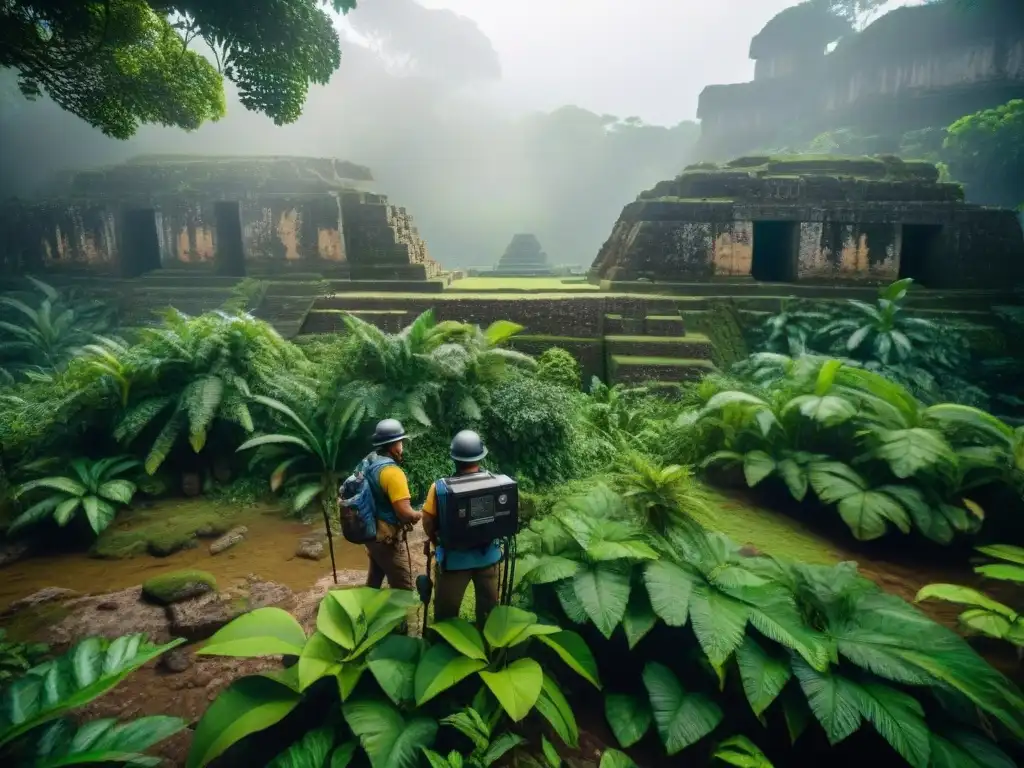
x=457, y=568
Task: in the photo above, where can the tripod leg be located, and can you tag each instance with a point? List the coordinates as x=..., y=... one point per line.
x=330, y=542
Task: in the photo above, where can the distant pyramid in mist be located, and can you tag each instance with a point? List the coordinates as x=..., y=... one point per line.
x=524, y=256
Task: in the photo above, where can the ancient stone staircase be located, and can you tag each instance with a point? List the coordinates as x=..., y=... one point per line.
x=652, y=343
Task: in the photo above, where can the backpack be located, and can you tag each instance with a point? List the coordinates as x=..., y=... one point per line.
x=358, y=503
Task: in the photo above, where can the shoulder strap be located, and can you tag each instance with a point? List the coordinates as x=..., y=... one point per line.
x=375, y=467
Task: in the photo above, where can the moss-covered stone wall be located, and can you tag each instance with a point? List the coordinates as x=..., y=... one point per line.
x=849, y=217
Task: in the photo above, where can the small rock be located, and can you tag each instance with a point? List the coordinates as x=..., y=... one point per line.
x=201, y=617
x=202, y=679
x=107, y=605
x=45, y=595
x=131, y=614
x=228, y=540
x=176, y=660
x=178, y=586
x=12, y=552
x=310, y=549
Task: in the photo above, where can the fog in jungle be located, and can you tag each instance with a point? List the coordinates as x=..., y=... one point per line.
x=482, y=117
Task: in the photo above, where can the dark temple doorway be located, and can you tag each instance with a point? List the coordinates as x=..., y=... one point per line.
x=229, y=257
x=919, y=251
x=776, y=248
x=139, y=250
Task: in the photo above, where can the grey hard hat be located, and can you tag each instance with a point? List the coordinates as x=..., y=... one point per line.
x=467, y=446
x=388, y=431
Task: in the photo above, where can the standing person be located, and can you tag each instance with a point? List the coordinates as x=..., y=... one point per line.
x=457, y=568
x=389, y=554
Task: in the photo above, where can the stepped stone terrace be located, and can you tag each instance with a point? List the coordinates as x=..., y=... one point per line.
x=816, y=220
x=215, y=213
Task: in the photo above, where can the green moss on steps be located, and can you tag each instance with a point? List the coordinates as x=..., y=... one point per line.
x=670, y=362
x=177, y=586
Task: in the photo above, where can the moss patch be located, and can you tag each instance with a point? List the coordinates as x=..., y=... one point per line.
x=773, y=533
x=162, y=530
x=674, y=362
x=177, y=586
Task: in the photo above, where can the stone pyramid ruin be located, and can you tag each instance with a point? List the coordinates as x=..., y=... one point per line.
x=524, y=256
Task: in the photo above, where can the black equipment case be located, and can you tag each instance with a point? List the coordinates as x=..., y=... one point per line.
x=478, y=509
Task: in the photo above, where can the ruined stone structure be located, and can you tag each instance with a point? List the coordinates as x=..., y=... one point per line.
x=915, y=67
x=816, y=220
x=224, y=213
x=523, y=256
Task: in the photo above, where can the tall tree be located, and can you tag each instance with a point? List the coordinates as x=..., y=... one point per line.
x=120, y=63
x=985, y=151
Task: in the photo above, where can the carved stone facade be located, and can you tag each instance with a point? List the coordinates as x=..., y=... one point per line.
x=170, y=212
x=915, y=67
x=866, y=220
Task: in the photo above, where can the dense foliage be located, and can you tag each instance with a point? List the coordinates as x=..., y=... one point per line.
x=985, y=150
x=710, y=627
x=118, y=64
x=36, y=726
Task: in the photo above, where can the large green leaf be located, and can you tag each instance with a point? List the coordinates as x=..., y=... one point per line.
x=348, y=677
x=550, y=568
x=249, y=705
x=516, y=687
x=393, y=663
x=898, y=718
x=603, y=591
x=1002, y=572
x=388, y=739
x=718, y=621
x=85, y=672
x=763, y=674
x=669, y=587
x=334, y=621
x=263, y=632
x=99, y=512
x=440, y=669
x=912, y=450
x=508, y=626
x=554, y=707
x=320, y=657
x=61, y=743
x=573, y=650
x=741, y=752
x=310, y=751
x=682, y=718
x=962, y=749
x=574, y=610
x=462, y=636
x=867, y=513
x=953, y=593
x=986, y=622
x=629, y=716
x=827, y=410
x=834, y=481
x=497, y=749
x=1006, y=552
x=639, y=618
x=613, y=758
x=834, y=700
x=757, y=465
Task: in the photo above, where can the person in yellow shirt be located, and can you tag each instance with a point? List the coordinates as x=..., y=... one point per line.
x=457, y=568
x=389, y=555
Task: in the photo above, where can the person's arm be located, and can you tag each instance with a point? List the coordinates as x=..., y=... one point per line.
x=396, y=487
x=403, y=508
x=430, y=515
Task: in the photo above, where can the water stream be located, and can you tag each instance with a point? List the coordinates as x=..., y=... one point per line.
x=267, y=551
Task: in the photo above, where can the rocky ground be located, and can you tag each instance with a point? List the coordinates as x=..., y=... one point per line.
x=180, y=683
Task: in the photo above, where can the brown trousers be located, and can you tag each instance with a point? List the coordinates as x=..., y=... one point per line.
x=451, y=587
x=391, y=560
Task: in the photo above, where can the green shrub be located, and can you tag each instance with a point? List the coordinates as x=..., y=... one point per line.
x=803, y=644
x=529, y=427
x=177, y=586
x=559, y=367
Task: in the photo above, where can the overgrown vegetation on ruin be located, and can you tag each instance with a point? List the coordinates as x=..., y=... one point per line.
x=624, y=586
